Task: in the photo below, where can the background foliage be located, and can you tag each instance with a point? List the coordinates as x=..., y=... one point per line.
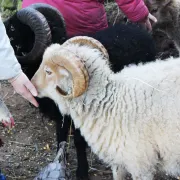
x=9, y=7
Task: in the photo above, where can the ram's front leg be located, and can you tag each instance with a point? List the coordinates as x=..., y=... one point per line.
x=119, y=173
x=1, y=142
x=139, y=172
x=62, y=129
x=143, y=177
x=83, y=167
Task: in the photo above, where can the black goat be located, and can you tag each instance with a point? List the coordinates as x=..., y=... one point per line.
x=126, y=44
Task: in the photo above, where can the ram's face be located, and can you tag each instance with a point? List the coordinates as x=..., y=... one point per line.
x=50, y=79
x=61, y=74
x=154, y=8
x=158, y=8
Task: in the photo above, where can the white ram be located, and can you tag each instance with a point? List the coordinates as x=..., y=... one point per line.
x=130, y=119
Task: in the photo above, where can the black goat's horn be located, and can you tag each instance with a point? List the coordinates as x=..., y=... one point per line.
x=29, y=34
x=38, y=24
x=55, y=21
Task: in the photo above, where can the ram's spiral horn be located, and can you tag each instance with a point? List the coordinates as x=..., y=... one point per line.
x=85, y=40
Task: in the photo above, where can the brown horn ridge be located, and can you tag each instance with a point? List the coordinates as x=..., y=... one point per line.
x=85, y=40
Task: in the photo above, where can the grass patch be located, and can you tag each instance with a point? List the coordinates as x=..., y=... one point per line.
x=9, y=7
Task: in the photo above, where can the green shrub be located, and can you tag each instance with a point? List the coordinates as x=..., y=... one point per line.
x=9, y=7
x=9, y=4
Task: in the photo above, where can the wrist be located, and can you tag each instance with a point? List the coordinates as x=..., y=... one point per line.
x=14, y=78
x=144, y=19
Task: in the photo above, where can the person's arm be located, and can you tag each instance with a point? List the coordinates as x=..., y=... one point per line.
x=136, y=11
x=9, y=66
x=10, y=69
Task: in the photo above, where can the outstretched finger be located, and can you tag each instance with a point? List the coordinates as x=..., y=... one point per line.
x=152, y=18
x=148, y=25
x=31, y=88
x=27, y=95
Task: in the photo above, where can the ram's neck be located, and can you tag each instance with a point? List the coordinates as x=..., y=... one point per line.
x=99, y=96
x=100, y=88
x=94, y=112
x=95, y=115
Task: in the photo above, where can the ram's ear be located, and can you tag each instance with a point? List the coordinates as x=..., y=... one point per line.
x=63, y=72
x=61, y=91
x=148, y=1
x=166, y=2
x=64, y=82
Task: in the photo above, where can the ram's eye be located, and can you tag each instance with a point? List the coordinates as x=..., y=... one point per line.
x=154, y=10
x=48, y=72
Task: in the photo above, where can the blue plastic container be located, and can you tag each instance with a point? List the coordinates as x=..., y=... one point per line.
x=2, y=177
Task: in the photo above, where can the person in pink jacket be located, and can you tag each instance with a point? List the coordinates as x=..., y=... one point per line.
x=89, y=16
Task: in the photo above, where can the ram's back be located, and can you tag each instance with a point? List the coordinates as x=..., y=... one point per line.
x=150, y=99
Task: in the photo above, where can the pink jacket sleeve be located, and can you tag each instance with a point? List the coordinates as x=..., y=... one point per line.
x=135, y=10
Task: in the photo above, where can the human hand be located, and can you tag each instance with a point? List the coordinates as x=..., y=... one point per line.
x=23, y=86
x=147, y=22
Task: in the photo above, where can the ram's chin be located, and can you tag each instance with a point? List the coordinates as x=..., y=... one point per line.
x=43, y=94
x=40, y=95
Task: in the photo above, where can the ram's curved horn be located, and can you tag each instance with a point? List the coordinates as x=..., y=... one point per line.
x=55, y=21
x=85, y=40
x=75, y=67
x=38, y=24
